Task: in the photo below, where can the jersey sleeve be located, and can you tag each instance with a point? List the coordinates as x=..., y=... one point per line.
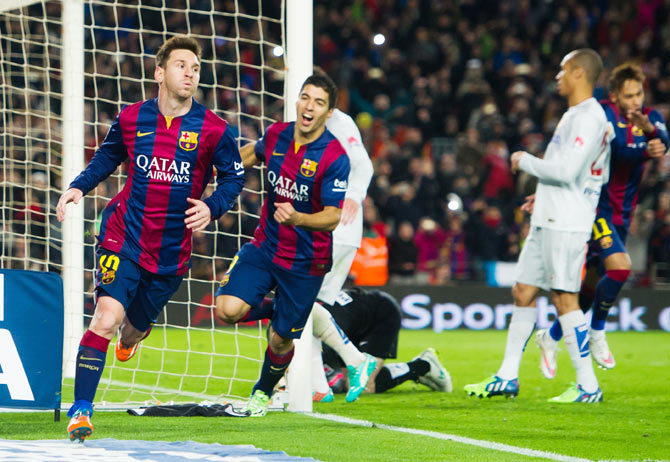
x=334, y=186
x=109, y=155
x=259, y=147
x=585, y=136
x=229, y=175
x=660, y=129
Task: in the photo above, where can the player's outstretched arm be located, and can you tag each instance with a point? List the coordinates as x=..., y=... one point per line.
x=71, y=195
x=325, y=220
x=248, y=154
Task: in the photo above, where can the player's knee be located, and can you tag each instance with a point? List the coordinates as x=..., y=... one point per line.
x=278, y=344
x=228, y=309
x=520, y=295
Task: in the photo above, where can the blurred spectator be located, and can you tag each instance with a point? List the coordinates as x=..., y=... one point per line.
x=403, y=255
x=429, y=239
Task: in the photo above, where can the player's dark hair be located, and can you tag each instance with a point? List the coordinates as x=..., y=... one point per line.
x=177, y=43
x=320, y=79
x=623, y=72
x=590, y=61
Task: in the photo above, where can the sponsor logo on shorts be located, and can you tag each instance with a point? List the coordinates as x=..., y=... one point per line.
x=293, y=329
x=224, y=281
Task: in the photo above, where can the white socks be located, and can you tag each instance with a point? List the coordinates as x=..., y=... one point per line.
x=576, y=337
x=325, y=328
x=319, y=381
x=521, y=327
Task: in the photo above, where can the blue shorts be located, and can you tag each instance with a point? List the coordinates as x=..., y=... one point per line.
x=143, y=294
x=251, y=276
x=606, y=239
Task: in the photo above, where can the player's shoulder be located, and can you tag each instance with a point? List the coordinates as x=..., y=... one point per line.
x=130, y=111
x=590, y=113
x=332, y=146
x=279, y=127
x=653, y=114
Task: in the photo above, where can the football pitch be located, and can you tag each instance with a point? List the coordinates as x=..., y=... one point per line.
x=413, y=423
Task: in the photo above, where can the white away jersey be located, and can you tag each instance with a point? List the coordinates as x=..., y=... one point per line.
x=345, y=130
x=574, y=168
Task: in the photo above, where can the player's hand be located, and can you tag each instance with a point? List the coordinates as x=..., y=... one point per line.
x=285, y=214
x=655, y=148
x=198, y=216
x=529, y=204
x=514, y=160
x=71, y=195
x=349, y=211
x=640, y=120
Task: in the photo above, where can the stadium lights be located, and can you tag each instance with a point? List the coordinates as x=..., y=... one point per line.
x=454, y=202
x=278, y=51
x=379, y=39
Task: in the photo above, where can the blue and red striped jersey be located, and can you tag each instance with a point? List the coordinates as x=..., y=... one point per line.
x=618, y=197
x=311, y=177
x=171, y=159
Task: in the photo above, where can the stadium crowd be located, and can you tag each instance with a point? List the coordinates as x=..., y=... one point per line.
x=455, y=88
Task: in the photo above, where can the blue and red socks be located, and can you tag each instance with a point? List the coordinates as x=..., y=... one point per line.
x=607, y=291
x=273, y=369
x=90, y=364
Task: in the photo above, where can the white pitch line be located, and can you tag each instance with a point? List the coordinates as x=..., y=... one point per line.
x=445, y=436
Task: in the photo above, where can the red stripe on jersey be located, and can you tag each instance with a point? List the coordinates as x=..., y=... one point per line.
x=287, y=237
x=158, y=197
x=115, y=233
x=212, y=131
x=617, y=191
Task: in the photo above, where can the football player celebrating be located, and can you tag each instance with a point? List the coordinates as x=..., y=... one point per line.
x=144, y=245
x=307, y=170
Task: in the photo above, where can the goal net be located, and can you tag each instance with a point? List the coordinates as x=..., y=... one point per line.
x=189, y=354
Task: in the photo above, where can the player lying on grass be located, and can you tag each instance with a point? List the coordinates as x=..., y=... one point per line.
x=370, y=321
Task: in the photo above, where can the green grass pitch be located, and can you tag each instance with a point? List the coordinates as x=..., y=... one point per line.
x=633, y=422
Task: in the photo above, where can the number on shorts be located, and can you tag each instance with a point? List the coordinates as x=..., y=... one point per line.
x=108, y=262
x=603, y=231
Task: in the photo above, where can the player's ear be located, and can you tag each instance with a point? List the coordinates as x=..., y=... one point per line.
x=158, y=74
x=330, y=112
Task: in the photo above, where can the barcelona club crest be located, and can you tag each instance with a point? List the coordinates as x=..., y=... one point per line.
x=108, y=277
x=308, y=167
x=188, y=141
x=606, y=242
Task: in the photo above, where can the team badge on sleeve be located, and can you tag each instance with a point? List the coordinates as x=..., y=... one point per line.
x=308, y=167
x=188, y=141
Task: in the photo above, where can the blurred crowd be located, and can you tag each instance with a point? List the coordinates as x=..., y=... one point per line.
x=442, y=101
x=453, y=90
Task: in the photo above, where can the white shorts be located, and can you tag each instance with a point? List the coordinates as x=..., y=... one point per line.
x=343, y=257
x=553, y=259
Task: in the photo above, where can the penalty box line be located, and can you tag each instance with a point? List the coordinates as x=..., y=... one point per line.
x=445, y=436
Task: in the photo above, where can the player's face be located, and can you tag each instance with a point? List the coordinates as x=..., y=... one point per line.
x=563, y=78
x=180, y=75
x=312, y=110
x=630, y=97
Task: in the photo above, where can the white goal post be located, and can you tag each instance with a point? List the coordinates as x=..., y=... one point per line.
x=67, y=67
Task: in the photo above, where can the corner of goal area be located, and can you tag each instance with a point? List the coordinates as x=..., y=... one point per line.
x=109, y=450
